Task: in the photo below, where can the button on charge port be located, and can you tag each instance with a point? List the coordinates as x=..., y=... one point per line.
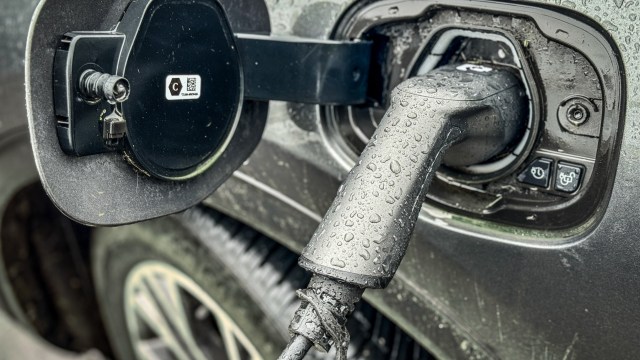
x=537, y=173
x=568, y=177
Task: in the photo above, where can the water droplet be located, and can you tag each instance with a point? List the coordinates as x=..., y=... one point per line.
x=374, y=218
x=337, y=262
x=348, y=223
x=398, y=193
x=412, y=115
x=348, y=237
x=395, y=167
x=372, y=167
x=365, y=254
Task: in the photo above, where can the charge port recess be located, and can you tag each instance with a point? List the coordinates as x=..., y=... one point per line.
x=573, y=81
x=457, y=46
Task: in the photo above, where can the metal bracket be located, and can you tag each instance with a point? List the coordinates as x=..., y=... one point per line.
x=304, y=70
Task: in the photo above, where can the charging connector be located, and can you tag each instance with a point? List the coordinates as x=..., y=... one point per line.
x=467, y=112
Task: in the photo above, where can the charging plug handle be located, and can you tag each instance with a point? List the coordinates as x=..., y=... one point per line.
x=364, y=234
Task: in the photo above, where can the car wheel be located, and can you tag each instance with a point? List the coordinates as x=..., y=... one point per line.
x=194, y=286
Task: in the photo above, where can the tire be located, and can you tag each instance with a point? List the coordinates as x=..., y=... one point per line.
x=250, y=278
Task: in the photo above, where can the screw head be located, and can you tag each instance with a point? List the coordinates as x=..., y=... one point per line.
x=577, y=114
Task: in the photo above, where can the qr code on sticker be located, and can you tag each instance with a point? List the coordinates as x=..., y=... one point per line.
x=191, y=84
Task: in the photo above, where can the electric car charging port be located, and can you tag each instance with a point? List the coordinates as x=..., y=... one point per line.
x=469, y=46
x=561, y=159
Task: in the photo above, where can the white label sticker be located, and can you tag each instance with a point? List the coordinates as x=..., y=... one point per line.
x=182, y=87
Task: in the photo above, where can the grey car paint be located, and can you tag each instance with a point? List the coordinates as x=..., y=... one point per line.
x=460, y=295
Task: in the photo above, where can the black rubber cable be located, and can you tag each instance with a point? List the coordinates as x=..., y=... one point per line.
x=329, y=317
x=296, y=349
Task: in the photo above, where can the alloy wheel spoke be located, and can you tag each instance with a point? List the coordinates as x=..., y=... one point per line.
x=230, y=341
x=170, y=316
x=153, y=349
x=146, y=307
x=167, y=294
